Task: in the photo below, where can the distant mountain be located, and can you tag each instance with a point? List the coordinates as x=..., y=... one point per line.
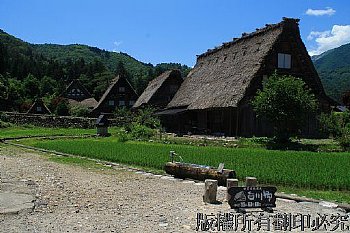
x=73, y=52
x=63, y=63
x=333, y=67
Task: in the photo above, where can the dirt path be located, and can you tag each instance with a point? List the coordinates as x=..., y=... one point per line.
x=76, y=199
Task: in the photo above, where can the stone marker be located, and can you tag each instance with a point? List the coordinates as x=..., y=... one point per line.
x=210, y=190
x=231, y=183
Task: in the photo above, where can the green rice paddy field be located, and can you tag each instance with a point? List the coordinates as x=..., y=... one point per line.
x=299, y=169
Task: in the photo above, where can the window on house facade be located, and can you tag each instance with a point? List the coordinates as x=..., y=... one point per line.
x=131, y=102
x=111, y=103
x=284, y=61
x=38, y=109
x=121, y=103
x=121, y=89
x=72, y=92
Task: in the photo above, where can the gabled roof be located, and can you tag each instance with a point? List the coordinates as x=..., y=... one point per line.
x=39, y=103
x=76, y=82
x=111, y=88
x=154, y=85
x=222, y=75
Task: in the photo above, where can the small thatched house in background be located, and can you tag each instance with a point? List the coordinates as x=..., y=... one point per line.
x=78, y=95
x=120, y=93
x=38, y=107
x=215, y=97
x=160, y=90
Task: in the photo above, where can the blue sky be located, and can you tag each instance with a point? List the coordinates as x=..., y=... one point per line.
x=158, y=31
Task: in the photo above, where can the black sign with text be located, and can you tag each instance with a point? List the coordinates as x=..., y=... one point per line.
x=252, y=197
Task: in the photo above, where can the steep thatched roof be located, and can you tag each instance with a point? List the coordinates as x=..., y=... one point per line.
x=111, y=88
x=222, y=75
x=39, y=103
x=154, y=86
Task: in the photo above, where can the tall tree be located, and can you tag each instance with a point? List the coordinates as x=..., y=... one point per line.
x=120, y=70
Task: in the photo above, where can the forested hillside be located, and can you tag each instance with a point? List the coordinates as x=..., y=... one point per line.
x=333, y=67
x=28, y=71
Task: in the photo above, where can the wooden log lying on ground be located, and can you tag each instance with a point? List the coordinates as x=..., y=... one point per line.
x=198, y=172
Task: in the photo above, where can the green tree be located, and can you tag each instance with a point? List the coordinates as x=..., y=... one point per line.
x=62, y=108
x=15, y=93
x=285, y=102
x=4, y=86
x=47, y=86
x=120, y=70
x=31, y=86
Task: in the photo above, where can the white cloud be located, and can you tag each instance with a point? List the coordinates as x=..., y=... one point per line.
x=116, y=45
x=313, y=34
x=339, y=35
x=328, y=11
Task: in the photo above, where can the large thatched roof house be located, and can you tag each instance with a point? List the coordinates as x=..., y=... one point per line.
x=215, y=96
x=78, y=95
x=160, y=90
x=119, y=94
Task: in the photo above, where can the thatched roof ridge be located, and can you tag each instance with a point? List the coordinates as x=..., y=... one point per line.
x=222, y=76
x=248, y=35
x=154, y=85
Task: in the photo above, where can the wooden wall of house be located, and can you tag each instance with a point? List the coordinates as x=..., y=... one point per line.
x=224, y=121
x=165, y=93
x=118, y=98
x=250, y=125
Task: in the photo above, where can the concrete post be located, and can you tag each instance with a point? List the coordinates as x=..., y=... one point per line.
x=251, y=182
x=210, y=190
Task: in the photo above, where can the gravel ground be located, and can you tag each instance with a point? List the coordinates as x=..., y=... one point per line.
x=71, y=198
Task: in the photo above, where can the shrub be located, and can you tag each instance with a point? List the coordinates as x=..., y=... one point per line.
x=139, y=131
x=123, y=135
x=333, y=124
x=147, y=118
x=330, y=124
x=5, y=124
x=344, y=139
x=62, y=108
x=79, y=111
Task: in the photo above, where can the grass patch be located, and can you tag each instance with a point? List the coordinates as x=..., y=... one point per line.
x=20, y=131
x=338, y=196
